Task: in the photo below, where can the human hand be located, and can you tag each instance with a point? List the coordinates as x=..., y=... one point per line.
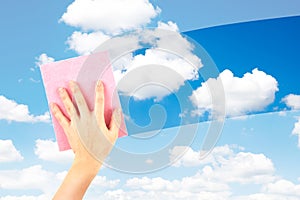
x=88, y=136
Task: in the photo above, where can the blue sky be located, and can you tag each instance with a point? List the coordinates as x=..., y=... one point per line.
x=271, y=46
x=216, y=12
x=266, y=143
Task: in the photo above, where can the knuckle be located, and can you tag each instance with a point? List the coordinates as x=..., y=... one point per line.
x=100, y=99
x=80, y=102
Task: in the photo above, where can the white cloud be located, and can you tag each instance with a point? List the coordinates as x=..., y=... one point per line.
x=158, y=72
x=33, y=177
x=102, y=182
x=260, y=196
x=283, y=187
x=244, y=167
x=8, y=152
x=109, y=16
x=48, y=150
x=292, y=101
x=188, y=187
x=282, y=113
x=129, y=15
x=193, y=184
x=12, y=111
x=214, y=180
x=26, y=197
x=187, y=157
x=85, y=43
x=34, y=81
x=222, y=168
x=121, y=17
x=296, y=131
x=155, y=74
x=47, y=182
x=43, y=59
x=171, y=26
x=163, y=195
x=224, y=165
x=253, y=92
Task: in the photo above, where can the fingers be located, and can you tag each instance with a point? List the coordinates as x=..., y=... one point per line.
x=115, y=123
x=99, y=102
x=68, y=104
x=79, y=98
x=57, y=113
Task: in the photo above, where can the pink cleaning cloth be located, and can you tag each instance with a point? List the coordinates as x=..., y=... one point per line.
x=86, y=71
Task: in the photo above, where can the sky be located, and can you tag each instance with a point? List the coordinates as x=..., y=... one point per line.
x=257, y=153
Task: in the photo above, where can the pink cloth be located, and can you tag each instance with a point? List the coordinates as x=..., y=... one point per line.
x=85, y=70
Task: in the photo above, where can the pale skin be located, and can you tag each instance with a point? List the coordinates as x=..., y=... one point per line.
x=91, y=123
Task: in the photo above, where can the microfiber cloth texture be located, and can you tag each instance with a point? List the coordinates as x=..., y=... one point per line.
x=86, y=71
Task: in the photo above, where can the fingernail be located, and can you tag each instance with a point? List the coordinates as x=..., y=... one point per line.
x=60, y=90
x=99, y=83
x=72, y=83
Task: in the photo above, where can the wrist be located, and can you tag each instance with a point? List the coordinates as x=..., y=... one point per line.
x=86, y=166
x=79, y=177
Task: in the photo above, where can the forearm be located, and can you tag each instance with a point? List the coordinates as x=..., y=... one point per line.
x=77, y=180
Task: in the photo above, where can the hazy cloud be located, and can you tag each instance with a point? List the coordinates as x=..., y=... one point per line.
x=12, y=111
x=8, y=152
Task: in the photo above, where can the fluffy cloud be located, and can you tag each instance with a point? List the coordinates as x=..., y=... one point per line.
x=260, y=196
x=134, y=14
x=228, y=165
x=8, y=152
x=103, y=182
x=48, y=150
x=12, y=111
x=278, y=190
x=85, y=43
x=146, y=75
x=193, y=187
x=37, y=178
x=292, y=101
x=163, y=195
x=221, y=168
x=43, y=59
x=243, y=168
x=171, y=26
x=251, y=93
x=187, y=157
x=193, y=184
x=158, y=72
x=29, y=178
x=150, y=82
x=153, y=80
x=110, y=16
x=283, y=187
x=26, y=197
x=224, y=165
x=296, y=131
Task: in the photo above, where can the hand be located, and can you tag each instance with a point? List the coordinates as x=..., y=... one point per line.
x=87, y=133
